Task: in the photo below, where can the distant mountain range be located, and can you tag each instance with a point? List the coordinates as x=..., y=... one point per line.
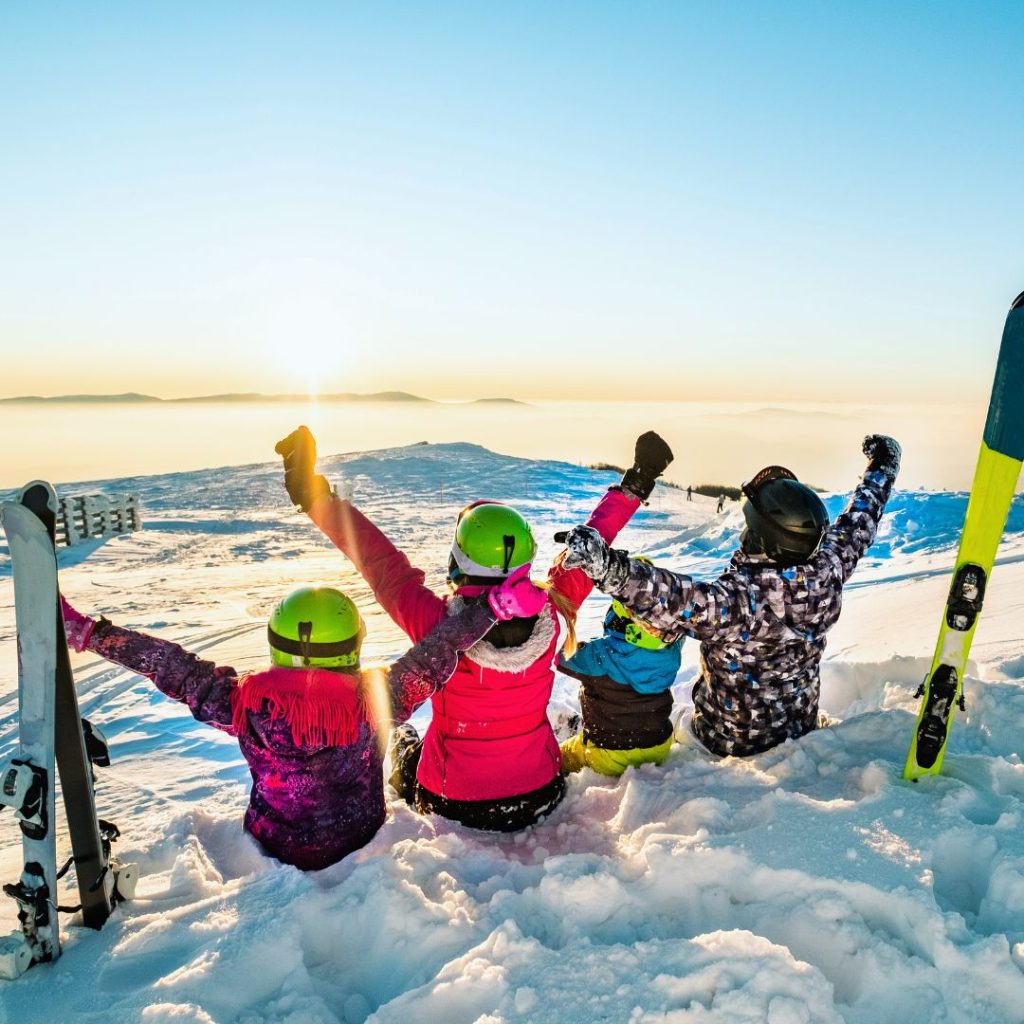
x=134, y=398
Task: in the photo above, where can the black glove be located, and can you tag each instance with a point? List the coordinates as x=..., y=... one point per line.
x=304, y=486
x=651, y=459
x=883, y=453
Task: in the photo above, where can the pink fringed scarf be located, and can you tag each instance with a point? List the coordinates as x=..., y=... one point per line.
x=321, y=708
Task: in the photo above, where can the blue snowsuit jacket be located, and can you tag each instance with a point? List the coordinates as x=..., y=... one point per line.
x=625, y=694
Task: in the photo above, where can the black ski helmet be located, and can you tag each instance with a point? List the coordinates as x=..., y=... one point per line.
x=785, y=518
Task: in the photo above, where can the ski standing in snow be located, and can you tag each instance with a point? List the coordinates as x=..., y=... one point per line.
x=995, y=481
x=52, y=736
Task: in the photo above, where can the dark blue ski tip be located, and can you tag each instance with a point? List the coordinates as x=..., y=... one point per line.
x=1004, y=427
x=39, y=497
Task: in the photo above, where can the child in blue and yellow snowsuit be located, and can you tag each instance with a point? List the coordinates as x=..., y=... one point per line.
x=625, y=697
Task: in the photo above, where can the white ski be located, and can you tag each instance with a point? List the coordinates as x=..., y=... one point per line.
x=28, y=780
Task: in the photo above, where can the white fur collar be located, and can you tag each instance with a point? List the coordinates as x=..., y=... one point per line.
x=510, y=659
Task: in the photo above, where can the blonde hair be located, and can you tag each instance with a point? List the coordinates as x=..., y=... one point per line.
x=567, y=610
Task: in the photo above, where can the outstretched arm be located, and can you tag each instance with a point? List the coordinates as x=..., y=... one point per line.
x=849, y=537
x=202, y=685
x=425, y=668
x=675, y=604
x=396, y=584
x=672, y=604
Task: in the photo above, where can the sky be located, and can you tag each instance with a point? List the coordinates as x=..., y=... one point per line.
x=675, y=201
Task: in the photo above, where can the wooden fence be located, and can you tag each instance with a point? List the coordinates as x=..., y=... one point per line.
x=89, y=516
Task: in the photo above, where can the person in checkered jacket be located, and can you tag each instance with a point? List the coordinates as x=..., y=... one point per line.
x=763, y=623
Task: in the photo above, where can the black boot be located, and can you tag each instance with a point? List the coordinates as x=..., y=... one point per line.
x=405, y=748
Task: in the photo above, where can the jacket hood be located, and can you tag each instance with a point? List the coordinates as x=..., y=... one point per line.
x=511, y=659
x=624, y=663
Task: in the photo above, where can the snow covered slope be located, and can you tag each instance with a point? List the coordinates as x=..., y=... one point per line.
x=809, y=884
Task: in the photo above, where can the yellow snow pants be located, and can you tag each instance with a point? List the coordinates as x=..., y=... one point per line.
x=578, y=754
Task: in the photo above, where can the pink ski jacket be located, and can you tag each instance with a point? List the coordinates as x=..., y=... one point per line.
x=489, y=737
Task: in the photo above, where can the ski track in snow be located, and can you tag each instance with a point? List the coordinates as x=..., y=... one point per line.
x=808, y=884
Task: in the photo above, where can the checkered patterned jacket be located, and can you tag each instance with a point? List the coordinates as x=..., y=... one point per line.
x=762, y=628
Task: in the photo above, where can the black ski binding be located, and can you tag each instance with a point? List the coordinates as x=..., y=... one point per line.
x=966, y=595
x=932, y=731
x=18, y=952
x=23, y=788
x=96, y=747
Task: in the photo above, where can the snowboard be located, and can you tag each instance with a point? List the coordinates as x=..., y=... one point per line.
x=995, y=481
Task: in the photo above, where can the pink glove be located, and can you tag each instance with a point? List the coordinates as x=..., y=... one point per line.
x=518, y=597
x=77, y=627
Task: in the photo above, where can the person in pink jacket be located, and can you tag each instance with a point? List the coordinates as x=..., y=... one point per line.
x=489, y=758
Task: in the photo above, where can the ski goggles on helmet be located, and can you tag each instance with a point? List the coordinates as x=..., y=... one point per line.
x=304, y=647
x=753, y=491
x=752, y=488
x=618, y=620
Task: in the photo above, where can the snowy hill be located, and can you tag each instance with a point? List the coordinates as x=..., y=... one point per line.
x=809, y=884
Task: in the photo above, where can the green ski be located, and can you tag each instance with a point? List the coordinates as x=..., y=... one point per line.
x=995, y=481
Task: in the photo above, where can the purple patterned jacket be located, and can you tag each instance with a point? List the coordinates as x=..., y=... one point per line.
x=311, y=802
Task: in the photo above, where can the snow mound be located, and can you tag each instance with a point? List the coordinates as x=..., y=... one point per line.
x=809, y=885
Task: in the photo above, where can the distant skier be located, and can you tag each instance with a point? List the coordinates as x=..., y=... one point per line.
x=689, y=494
x=625, y=696
x=721, y=504
x=309, y=725
x=489, y=758
x=763, y=622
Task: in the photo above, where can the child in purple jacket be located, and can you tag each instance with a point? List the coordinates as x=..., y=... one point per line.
x=309, y=725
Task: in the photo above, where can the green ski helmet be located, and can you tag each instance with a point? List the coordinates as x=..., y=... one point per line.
x=620, y=621
x=315, y=627
x=491, y=539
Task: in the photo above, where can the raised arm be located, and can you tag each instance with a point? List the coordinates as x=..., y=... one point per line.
x=397, y=585
x=849, y=537
x=202, y=685
x=652, y=457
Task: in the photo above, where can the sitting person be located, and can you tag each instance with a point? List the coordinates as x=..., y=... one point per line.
x=625, y=678
x=489, y=758
x=308, y=725
x=762, y=624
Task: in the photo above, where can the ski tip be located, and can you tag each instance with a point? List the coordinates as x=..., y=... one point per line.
x=1017, y=302
x=38, y=495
